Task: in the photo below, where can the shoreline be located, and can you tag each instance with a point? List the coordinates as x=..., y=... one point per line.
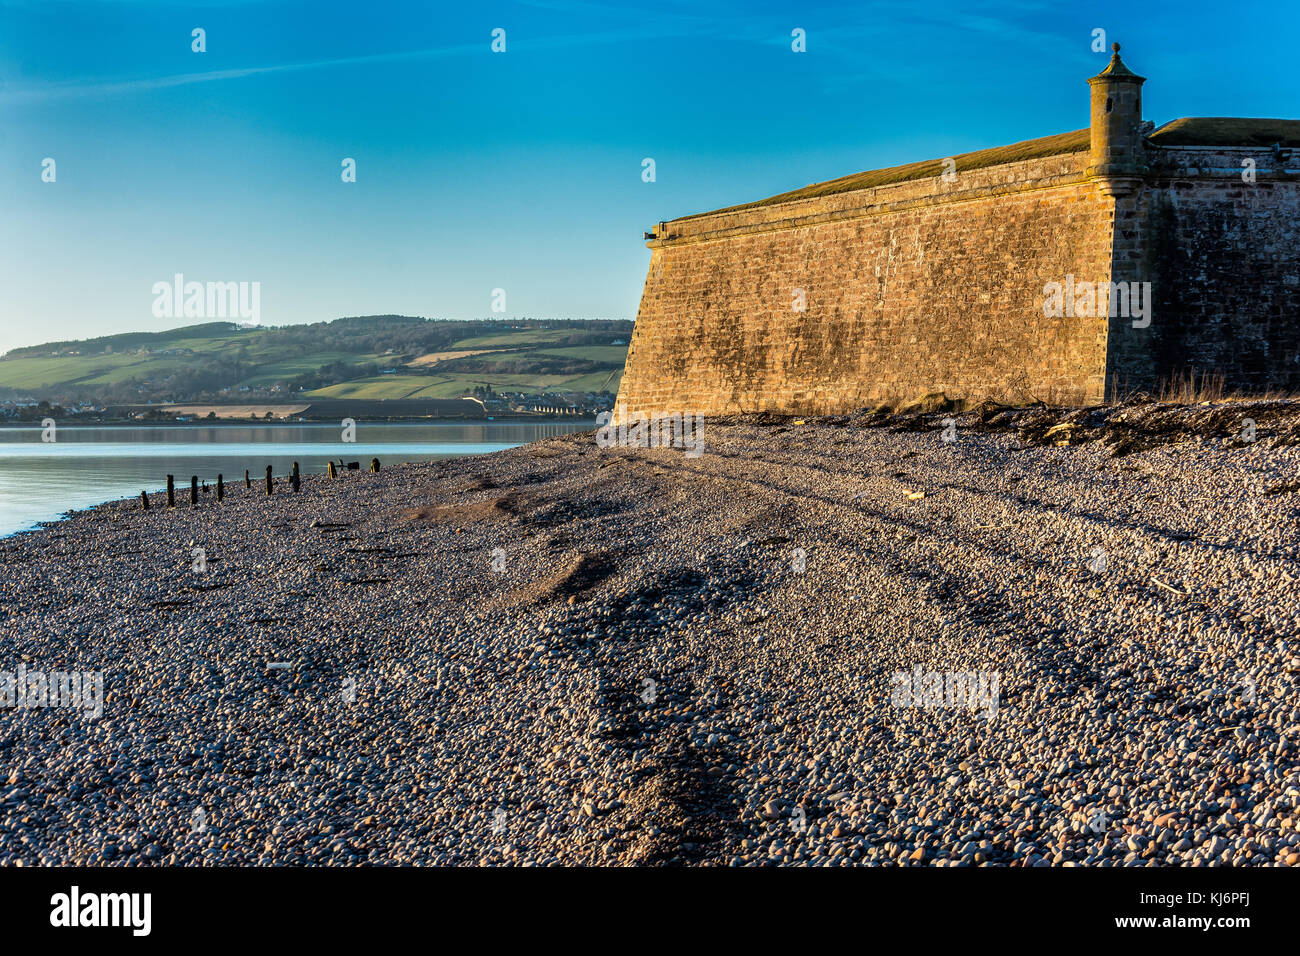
x=566, y=654
x=244, y=423
x=403, y=440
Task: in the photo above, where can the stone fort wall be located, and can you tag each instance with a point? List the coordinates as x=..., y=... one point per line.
x=886, y=286
x=909, y=288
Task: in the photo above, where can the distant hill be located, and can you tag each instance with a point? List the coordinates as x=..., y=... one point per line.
x=372, y=357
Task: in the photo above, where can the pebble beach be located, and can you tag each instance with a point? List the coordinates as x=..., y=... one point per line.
x=1000, y=637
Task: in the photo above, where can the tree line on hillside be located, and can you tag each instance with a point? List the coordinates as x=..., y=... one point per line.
x=356, y=335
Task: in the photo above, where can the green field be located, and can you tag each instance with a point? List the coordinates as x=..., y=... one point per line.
x=345, y=358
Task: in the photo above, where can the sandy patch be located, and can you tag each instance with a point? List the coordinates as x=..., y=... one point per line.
x=491, y=509
x=433, y=358
x=237, y=411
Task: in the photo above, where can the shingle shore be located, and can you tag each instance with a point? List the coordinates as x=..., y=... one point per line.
x=680, y=660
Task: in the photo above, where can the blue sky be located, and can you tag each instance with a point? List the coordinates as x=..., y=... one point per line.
x=520, y=170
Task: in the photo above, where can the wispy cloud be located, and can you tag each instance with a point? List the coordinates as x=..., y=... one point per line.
x=144, y=84
x=119, y=87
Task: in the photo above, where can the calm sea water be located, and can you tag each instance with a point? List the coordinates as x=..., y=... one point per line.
x=85, y=466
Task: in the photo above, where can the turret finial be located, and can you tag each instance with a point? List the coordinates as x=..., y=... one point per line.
x=1116, y=66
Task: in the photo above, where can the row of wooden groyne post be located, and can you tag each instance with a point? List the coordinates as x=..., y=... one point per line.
x=294, y=482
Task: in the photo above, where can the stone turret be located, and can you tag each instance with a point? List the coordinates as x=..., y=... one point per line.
x=1117, y=157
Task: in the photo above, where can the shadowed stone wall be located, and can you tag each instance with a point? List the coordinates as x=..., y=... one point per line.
x=1223, y=256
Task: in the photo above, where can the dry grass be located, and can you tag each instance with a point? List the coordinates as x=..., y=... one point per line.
x=1188, y=388
x=1193, y=388
x=1227, y=131
x=1190, y=131
x=1057, y=145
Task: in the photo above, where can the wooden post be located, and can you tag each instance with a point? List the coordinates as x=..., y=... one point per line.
x=144, y=500
x=221, y=488
x=268, y=479
x=374, y=466
x=294, y=477
x=194, y=489
x=247, y=482
x=331, y=469
x=171, y=491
